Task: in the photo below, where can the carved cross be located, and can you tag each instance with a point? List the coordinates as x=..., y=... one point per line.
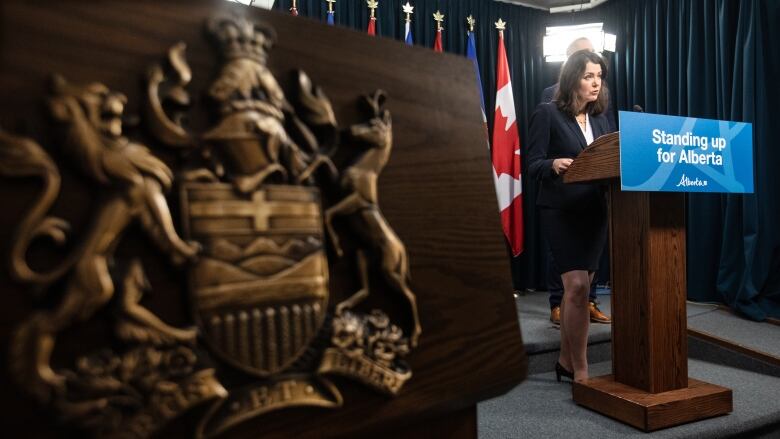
x=258, y=208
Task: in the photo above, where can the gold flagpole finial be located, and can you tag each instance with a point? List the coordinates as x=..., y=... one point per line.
x=471, y=22
x=330, y=5
x=501, y=25
x=372, y=5
x=408, y=10
x=439, y=17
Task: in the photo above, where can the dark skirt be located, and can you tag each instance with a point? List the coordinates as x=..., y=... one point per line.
x=576, y=237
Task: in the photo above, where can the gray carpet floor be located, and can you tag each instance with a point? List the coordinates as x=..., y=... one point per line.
x=760, y=336
x=540, y=335
x=540, y=407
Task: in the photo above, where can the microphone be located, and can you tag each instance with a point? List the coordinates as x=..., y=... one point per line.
x=638, y=109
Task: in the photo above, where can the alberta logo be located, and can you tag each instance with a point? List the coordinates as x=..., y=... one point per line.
x=685, y=182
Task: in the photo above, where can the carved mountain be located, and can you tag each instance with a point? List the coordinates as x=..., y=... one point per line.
x=211, y=271
x=264, y=246
x=295, y=249
x=225, y=250
x=265, y=265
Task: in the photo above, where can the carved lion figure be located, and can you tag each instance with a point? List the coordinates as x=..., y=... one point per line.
x=133, y=180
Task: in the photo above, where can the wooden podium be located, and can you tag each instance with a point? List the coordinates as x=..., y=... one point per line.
x=649, y=387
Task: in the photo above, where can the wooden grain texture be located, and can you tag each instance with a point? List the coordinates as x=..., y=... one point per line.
x=649, y=344
x=631, y=343
x=436, y=192
x=667, y=292
x=653, y=411
x=460, y=424
x=599, y=161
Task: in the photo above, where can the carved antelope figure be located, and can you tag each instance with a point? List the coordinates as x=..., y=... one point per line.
x=359, y=182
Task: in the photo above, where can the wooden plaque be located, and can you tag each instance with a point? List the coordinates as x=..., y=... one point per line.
x=435, y=195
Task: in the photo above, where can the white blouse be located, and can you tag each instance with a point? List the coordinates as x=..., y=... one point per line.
x=587, y=131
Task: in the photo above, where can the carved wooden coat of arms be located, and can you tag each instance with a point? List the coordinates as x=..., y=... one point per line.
x=256, y=212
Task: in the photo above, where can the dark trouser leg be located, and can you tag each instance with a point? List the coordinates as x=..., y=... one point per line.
x=602, y=276
x=554, y=284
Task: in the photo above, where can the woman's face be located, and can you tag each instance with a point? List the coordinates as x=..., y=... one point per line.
x=590, y=83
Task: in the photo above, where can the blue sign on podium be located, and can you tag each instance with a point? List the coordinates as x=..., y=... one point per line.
x=684, y=154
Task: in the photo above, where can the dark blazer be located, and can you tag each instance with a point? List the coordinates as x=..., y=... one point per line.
x=552, y=135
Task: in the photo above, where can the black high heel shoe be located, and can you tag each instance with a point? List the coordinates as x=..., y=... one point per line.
x=561, y=371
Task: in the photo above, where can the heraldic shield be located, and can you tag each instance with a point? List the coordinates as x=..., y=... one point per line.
x=260, y=289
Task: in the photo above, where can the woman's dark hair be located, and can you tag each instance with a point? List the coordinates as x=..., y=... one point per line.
x=567, y=97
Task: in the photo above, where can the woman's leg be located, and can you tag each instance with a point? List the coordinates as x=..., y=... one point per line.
x=564, y=357
x=575, y=321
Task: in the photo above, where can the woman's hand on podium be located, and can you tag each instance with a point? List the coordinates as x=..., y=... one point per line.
x=561, y=165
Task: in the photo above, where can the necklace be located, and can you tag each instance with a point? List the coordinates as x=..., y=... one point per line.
x=582, y=122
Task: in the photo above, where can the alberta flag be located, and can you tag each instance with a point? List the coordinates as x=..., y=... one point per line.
x=408, y=34
x=506, y=155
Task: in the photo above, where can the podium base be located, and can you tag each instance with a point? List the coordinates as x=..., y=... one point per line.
x=652, y=411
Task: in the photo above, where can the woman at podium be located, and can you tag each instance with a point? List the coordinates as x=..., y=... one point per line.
x=573, y=216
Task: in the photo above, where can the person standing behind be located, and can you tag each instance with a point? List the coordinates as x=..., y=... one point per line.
x=573, y=216
x=554, y=284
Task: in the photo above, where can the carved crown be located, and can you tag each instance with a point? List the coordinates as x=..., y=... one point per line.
x=241, y=38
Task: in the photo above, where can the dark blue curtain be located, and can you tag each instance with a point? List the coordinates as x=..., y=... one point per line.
x=716, y=59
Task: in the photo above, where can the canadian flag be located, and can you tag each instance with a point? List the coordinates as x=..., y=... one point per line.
x=506, y=155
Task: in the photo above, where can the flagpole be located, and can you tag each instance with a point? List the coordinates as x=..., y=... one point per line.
x=439, y=18
x=331, y=13
x=372, y=5
x=500, y=25
x=471, y=53
x=408, y=10
x=294, y=9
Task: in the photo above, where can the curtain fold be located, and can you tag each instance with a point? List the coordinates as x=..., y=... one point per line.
x=716, y=59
